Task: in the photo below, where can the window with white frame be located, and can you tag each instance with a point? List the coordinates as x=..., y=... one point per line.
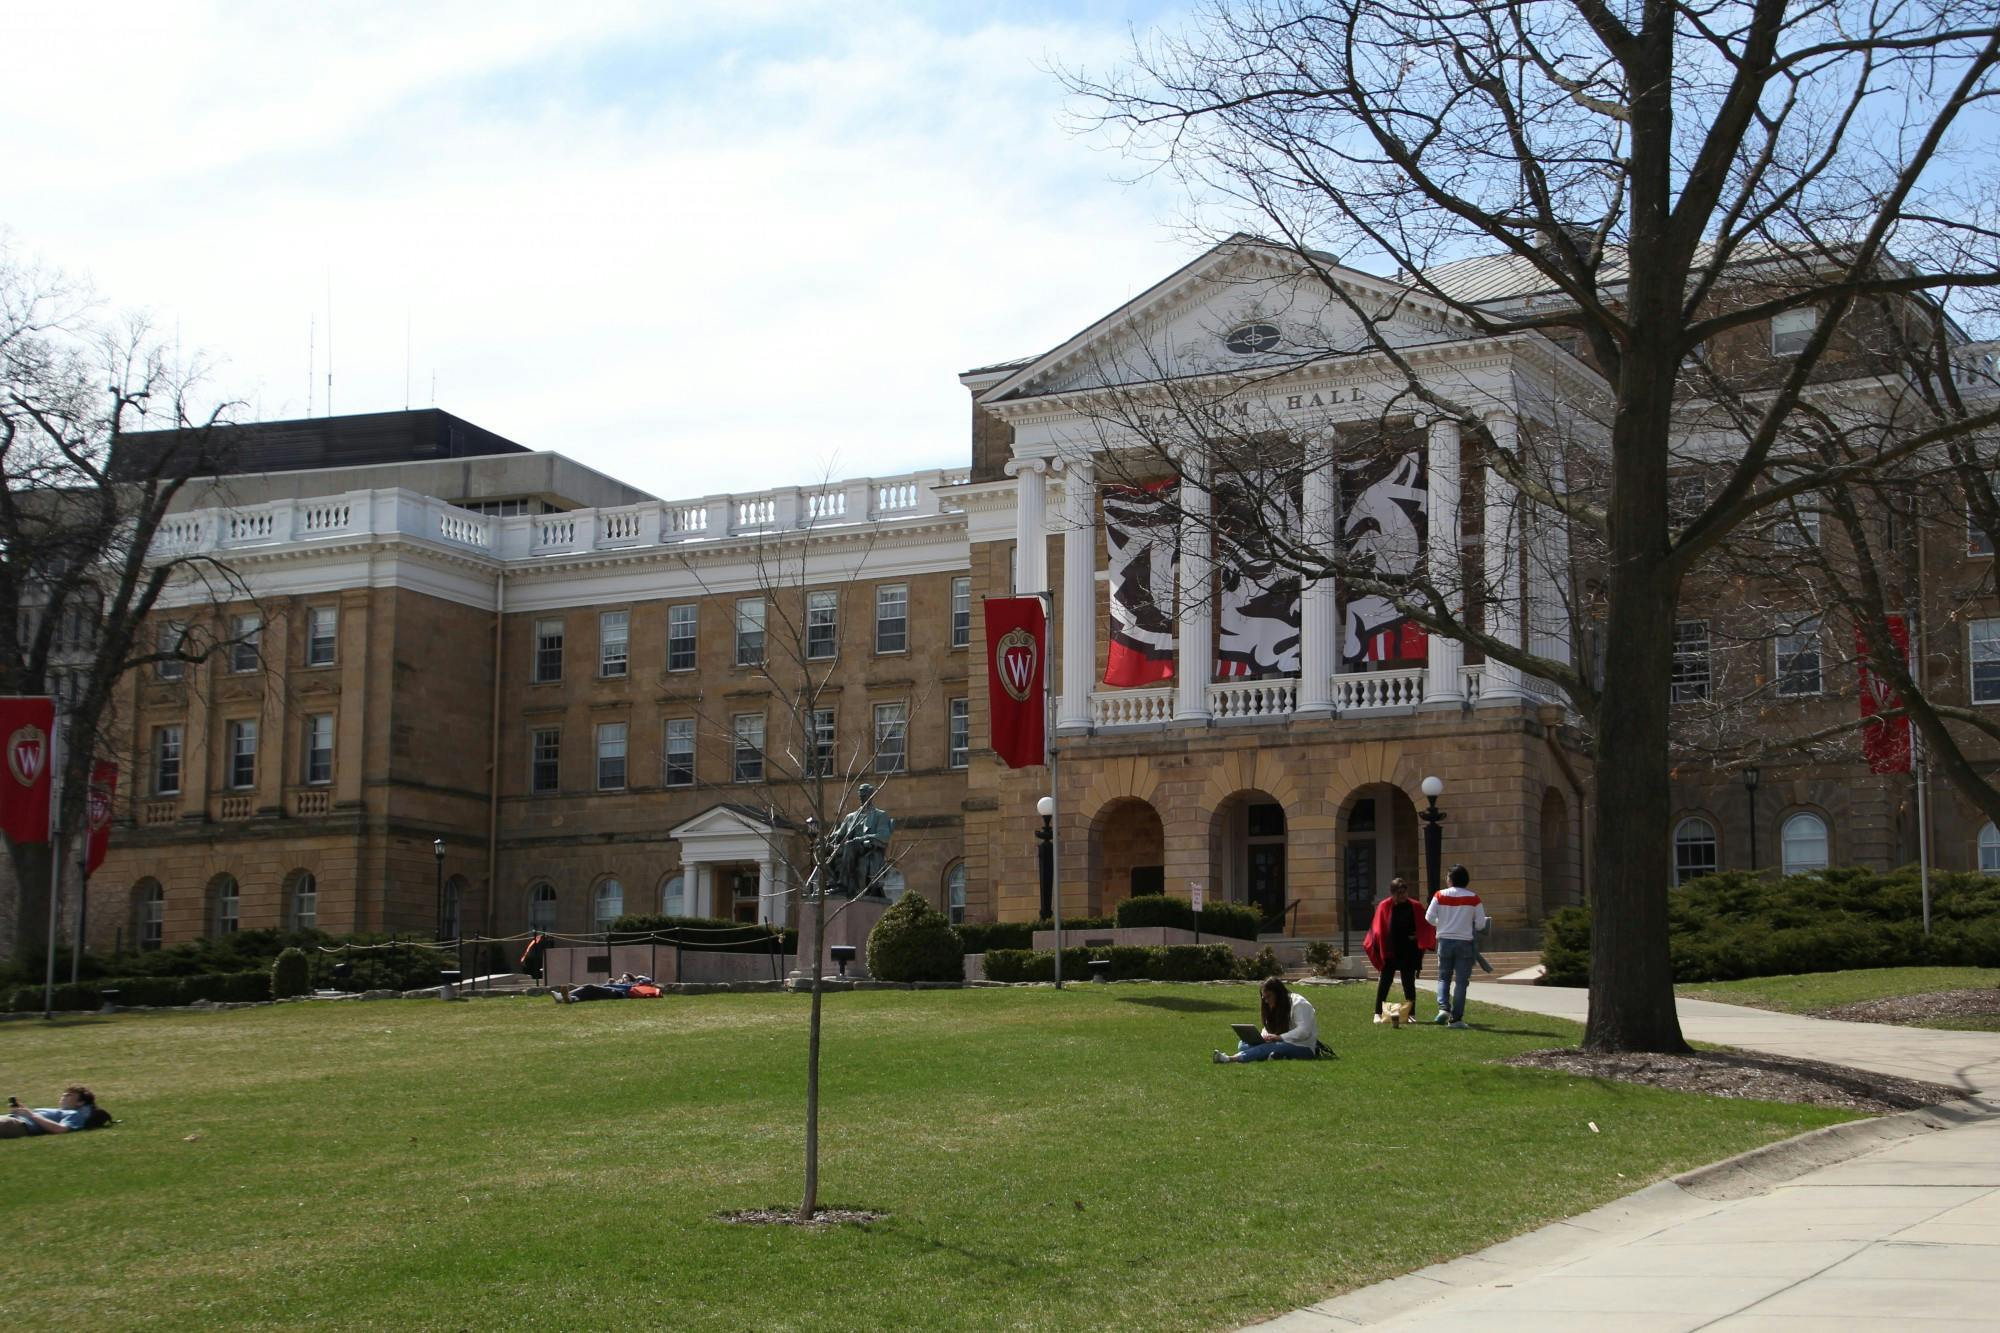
x=1989, y=849
x=1694, y=850
x=167, y=638
x=1803, y=843
x=954, y=893
x=152, y=915
x=304, y=907
x=680, y=752
x=610, y=904
x=225, y=905
x=961, y=612
x=1691, y=667
x=824, y=738
x=892, y=737
x=680, y=637
x=243, y=753
x=1798, y=660
x=1984, y=637
x=246, y=634
x=892, y=618
x=545, y=760
x=1978, y=541
x=322, y=632
x=673, y=896
x=1791, y=330
x=548, y=651
x=614, y=637
x=166, y=761
x=542, y=907
x=1797, y=524
x=750, y=632
x=822, y=626
x=958, y=741
x=748, y=765
x=893, y=886
x=610, y=756
x=319, y=749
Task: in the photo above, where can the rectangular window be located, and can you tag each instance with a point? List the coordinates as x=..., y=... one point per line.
x=961, y=612
x=892, y=618
x=1977, y=540
x=319, y=749
x=545, y=766
x=322, y=626
x=822, y=625
x=823, y=741
x=1791, y=330
x=245, y=634
x=680, y=638
x=1986, y=661
x=959, y=746
x=614, y=629
x=1687, y=495
x=892, y=737
x=167, y=639
x=166, y=761
x=610, y=756
x=1690, y=678
x=548, y=651
x=1798, y=660
x=1798, y=526
x=750, y=632
x=749, y=754
x=243, y=754
x=680, y=752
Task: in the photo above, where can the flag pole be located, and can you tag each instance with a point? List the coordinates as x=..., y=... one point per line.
x=1049, y=749
x=55, y=860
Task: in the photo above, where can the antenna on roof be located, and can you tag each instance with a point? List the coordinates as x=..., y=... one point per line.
x=434, y=386
x=406, y=360
x=329, y=340
x=312, y=325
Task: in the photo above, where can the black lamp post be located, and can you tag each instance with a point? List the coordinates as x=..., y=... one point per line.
x=1433, y=832
x=437, y=850
x=1750, y=779
x=1045, y=855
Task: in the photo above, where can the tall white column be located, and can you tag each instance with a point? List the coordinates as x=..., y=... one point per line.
x=1548, y=574
x=1031, y=563
x=767, y=896
x=1194, y=627
x=1445, y=680
x=1079, y=599
x=1501, y=557
x=1319, y=601
x=700, y=878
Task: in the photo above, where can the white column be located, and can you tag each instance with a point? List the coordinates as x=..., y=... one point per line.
x=767, y=898
x=1194, y=627
x=1445, y=681
x=1319, y=601
x=1501, y=557
x=700, y=880
x=1031, y=564
x=1548, y=574
x=1079, y=598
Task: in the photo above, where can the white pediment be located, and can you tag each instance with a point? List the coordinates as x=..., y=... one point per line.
x=723, y=821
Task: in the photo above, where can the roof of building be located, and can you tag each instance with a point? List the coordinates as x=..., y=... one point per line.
x=420, y=435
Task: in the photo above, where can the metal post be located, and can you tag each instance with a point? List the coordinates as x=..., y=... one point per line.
x=55, y=861
x=1049, y=740
x=1921, y=764
x=1751, y=775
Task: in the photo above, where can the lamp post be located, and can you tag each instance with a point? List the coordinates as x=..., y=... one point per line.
x=1433, y=787
x=1046, y=856
x=437, y=915
x=1750, y=780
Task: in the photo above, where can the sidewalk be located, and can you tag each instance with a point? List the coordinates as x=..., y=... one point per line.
x=1903, y=1229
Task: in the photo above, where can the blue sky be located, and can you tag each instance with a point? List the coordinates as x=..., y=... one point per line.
x=703, y=246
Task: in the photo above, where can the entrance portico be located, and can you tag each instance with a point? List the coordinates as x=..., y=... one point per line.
x=727, y=850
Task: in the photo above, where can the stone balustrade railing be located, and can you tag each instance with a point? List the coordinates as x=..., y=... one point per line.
x=1358, y=694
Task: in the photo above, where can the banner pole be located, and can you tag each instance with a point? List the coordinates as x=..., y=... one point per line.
x=55, y=860
x=1049, y=749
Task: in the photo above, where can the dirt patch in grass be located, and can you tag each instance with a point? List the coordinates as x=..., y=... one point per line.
x=828, y=1216
x=1765, y=1078
x=1915, y=1010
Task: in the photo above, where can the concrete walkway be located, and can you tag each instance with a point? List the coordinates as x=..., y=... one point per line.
x=1890, y=1222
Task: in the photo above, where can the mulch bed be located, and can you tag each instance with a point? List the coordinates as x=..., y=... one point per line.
x=1908, y=1010
x=789, y=1217
x=1768, y=1078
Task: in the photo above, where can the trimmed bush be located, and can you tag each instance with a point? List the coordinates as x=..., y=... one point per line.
x=1078, y=923
x=986, y=936
x=1259, y=965
x=913, y=942
x=291, y=975
x=223, y=987
x=1234, y=920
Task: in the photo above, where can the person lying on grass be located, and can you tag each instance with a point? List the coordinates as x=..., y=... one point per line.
x=78, y=1109
x=1290, y=1029
x=628, y=986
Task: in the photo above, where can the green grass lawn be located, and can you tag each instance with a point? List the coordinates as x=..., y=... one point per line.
x=1813, y=991
x=1047, y=1160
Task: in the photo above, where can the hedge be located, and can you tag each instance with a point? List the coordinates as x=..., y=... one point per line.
x=986, y=936
x=1727, y=926
x=1235, y=920
x=219, y=986
x=1174, y=962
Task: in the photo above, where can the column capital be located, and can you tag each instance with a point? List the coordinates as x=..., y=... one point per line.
x=1014, y=467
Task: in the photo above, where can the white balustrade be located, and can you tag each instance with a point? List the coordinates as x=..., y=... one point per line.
x=822, y=505
x=896, y=497
x=620, y=527
x=555, y=532
x=1474, y=677
x=324, y=517
x=1253, y=698
x=758, y=512
x=688, y=519
x=249, y=525
x=178, y=536
x=1378, y=691
x=1131, y=708
x=463, y=528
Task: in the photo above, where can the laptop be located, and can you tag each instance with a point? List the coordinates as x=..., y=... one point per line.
x=1247, y=1033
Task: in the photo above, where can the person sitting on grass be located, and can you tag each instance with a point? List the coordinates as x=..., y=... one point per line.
x=77, y=1109
x=1290, y=1030
x=620, y=989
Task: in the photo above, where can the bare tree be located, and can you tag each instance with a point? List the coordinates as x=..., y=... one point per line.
x=1659, y=182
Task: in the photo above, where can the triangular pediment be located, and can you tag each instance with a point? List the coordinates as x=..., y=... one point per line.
x=1244, y=307
x=725, y=821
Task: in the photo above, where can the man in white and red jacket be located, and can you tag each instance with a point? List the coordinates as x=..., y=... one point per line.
x=1456, y=912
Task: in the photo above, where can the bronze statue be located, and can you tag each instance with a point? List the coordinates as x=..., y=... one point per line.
x=859, y=849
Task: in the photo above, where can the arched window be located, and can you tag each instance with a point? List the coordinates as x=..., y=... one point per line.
x=542, y=907
x=1694, y=850
x=150, y=917
x=1804, y=843
x=673, y=896
x=954, y=892
x=1989, y=849
x=892, y=884
x=609, y=904
x=225, y=903
x=454, y=905
x=302, y=912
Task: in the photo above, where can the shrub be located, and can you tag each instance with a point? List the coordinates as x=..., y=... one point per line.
x=219, y=986
x=1078, y=923
x=1175, y=962
x=1234, y=920
x=1322, y=958
x=986, y=936
x=914, y=942
x=1194, y=962
x=291, y=975
x=1036, y=964
x=1259, y=965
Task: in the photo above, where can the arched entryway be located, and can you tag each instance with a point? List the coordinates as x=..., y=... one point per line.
x=1247, y=852
x=1127, y=854
x=1562, y=885
x=1379, y=842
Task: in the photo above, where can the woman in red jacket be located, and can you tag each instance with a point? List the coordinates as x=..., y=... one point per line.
x=1396, y=942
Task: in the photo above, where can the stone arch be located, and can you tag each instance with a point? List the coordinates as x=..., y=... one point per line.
x=1379, y=838
x=544, y=904
x=1127, y=853
x=1249, y=849
x=1562, y=881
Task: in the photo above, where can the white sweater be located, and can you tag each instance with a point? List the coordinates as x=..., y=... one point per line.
x=1305, y=1024
x=1456, y=913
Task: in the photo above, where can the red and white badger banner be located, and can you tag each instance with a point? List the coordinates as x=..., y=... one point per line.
x=1017, y=639
x=1885, y=741
x=103, y=789
x=1386, y=519
x=1142, y=543
x=27, y=729
x=1257, y=618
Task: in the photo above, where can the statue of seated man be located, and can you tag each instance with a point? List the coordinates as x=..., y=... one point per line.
x=860, y=849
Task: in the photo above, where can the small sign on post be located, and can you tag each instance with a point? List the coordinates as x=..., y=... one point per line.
x=1194, y=897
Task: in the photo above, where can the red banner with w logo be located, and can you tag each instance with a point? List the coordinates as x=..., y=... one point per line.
x=103, y=787
x=1885, y=742
x=1017, y=637
x=27, y=730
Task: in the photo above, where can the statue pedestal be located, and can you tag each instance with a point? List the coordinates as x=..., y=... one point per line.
x=848, y=922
